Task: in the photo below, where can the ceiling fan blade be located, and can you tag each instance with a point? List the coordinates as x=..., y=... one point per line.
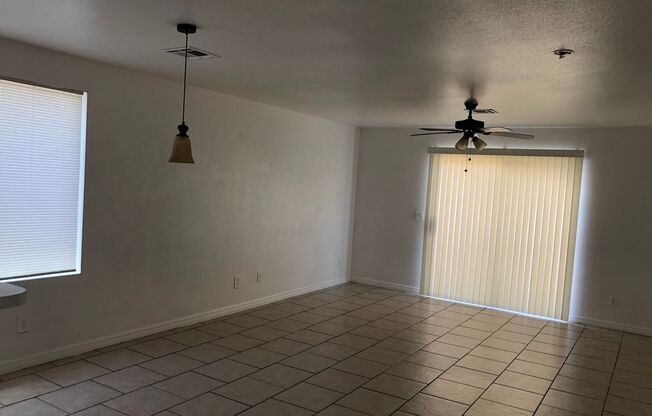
x=513, y=135
x=434, y=132
x=434, y=129
x=497, y=130
x=485, y=111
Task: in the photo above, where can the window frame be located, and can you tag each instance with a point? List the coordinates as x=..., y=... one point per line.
x=81, y=186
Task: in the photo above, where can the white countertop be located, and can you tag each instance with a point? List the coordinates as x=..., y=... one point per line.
x=11, y=295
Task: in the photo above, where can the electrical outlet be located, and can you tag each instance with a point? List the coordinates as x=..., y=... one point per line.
x=612, y=300
x=236, y=282
x=259, y=277
x=21, y=325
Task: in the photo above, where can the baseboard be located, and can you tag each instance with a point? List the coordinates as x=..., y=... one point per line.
x=383, y=284
x=90, y=345
x=634, y=329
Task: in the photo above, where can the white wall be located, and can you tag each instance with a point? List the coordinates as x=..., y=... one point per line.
x=614, y=245
x=271, y=192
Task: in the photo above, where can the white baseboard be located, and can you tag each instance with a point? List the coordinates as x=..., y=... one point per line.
x=93, y=344
x=634, y=329
x=383, y=284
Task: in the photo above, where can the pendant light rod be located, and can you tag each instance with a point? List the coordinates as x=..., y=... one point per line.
x=185, y=28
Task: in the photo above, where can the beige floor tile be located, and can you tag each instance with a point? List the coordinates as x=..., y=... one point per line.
x=555, y=340
x=470, y=332
x=549, y=348
x=337, y=380
x=309, y=337
x=493, y=354
x=371, y=402
x=596, y=353
x=469, y=377
x=288, y=325
x=481, y=325
x=482, y=364
x=440, y=362
x=524, y=382
x=238, y=342
x=634, y=366
x=206, y=353
x=264, y=333
x=226, y=370
x=631, y=392
x=426, y=405
x=533, y=369
x=429, y=329
x=333, y=351
x=101, y=410
x=521, y=329
x=488, y=408
x=188, y=385
x=361, y=367
x=309, y=362
x=248, y=391
x=191, y=337
x=354, y=341
x=144, y=402
x=541, y=358
x=285, y=346
x=414, y=372
x=581, y=373
x=545, y=410
x=309, y=396
x=459, y=340
x=25, y=387
x=246, y=321
x=31, y=407
x=573, y=403
x=451, y=390
x=446, y=349
x=172, y=365
x=510, y=396
x=130, y=379
x=588, y=362
x=580, y=387
x=337, y=410
x=258, y=357
x=281, y=375
x=394, y=386
x=273, y=407
x=382, y=355
x=209, y=404
x=270, y=314
x=80, y=396
x=400, y=345
x=636, y=379
x=503, y=344
x=221, y=329
x=158, y=347
x=513, y=336
x=73, y=373
x=415, y=336
x=118, y=359
x=627, y=407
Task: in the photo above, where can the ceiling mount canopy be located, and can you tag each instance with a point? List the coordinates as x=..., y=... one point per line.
x=181, y=148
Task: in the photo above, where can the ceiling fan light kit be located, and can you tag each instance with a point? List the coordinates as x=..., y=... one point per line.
x=181, y=147
x=563, y=52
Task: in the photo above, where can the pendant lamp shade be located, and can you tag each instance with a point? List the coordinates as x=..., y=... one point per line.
x=462, y=143
x=181, y=148
x=479, y=143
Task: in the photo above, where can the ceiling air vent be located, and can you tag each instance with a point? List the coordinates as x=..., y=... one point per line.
x=193, y=53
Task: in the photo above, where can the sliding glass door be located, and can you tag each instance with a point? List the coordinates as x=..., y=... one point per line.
x=503, y=233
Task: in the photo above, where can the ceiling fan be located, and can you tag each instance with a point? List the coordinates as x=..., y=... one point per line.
x=470, y=128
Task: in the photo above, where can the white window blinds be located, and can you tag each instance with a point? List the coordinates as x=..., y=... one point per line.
x=503, y=233
x=42, y=138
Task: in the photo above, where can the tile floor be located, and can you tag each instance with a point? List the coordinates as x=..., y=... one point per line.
x=346, y=351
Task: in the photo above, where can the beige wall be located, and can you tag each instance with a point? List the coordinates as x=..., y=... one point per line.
x=271, y=192
x=614, y=244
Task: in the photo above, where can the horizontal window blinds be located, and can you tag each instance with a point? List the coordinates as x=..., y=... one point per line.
x=41, y=180
x=503, y=233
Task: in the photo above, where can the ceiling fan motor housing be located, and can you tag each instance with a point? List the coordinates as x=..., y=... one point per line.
x=469, y=124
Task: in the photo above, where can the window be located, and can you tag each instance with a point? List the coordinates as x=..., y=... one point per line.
x=503, y=233
x=42, y=140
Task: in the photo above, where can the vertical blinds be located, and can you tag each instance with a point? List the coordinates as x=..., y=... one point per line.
x=503, y=233
x=41, y=180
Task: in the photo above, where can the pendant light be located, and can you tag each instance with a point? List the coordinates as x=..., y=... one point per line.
x=181, y=149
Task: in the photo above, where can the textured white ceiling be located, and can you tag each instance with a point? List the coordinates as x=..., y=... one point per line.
x=377, y=62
